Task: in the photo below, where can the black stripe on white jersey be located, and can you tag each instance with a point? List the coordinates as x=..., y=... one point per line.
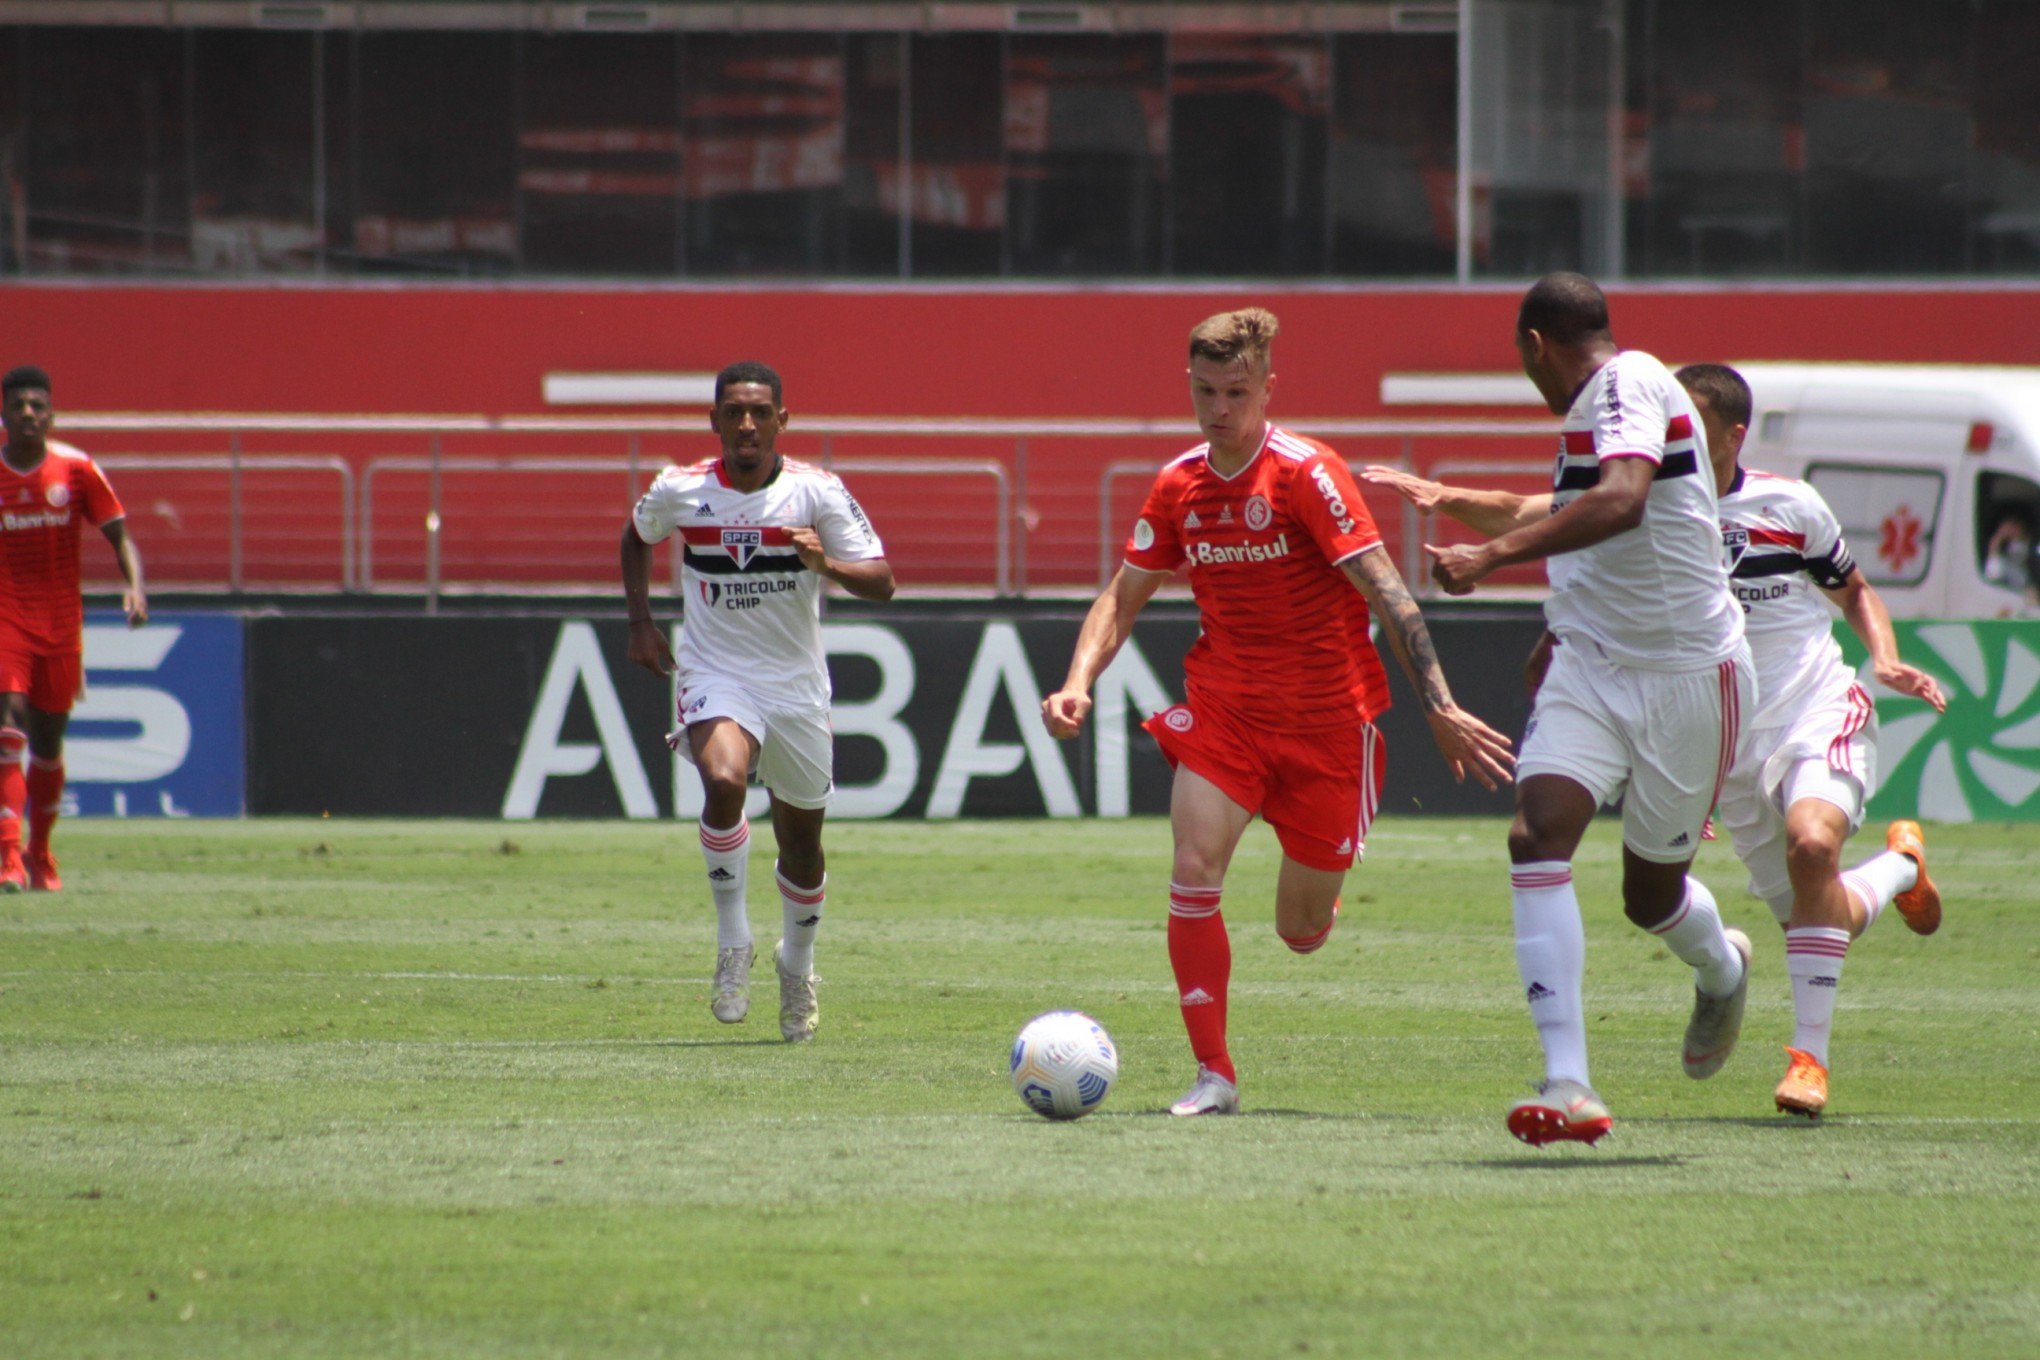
x=721, y=564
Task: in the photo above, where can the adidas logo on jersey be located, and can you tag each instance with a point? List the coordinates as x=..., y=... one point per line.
x=1191, y=521
x=1197, y=996
x=706, y=511
x=1681, y=840
x=1346, y=846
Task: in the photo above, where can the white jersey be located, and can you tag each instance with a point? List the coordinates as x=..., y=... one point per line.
x=1656, y=596
x=752, y=610
x=1783, y=541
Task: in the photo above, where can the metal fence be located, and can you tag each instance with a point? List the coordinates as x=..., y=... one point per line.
x=405, y=504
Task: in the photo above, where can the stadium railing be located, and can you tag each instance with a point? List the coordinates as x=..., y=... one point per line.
x=423, y=504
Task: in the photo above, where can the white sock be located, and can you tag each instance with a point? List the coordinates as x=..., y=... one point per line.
x=729, y=857
x=1694, y=935
x=1813, y=959
x=1878, y=879
x=802, y=908
x=1551, y=955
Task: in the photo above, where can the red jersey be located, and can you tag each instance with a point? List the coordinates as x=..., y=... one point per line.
x=1284, y=641
x=41, y=513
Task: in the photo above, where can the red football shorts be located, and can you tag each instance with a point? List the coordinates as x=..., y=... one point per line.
x=1319, y=790
x=52, y=680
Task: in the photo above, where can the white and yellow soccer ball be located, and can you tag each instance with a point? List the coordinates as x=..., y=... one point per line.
x=1064, y=1063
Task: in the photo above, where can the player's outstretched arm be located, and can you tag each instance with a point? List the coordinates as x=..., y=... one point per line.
x=1864, y=608
x=1464, y=740
x=1106, y=629
x=1613, y=506
x=647, y=644
x=134, y=599
x=868, y=579
x=1487, y=512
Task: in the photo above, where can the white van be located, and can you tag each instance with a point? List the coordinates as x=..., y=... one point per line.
x=1933, y=470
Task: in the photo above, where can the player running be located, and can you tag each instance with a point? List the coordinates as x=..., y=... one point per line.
x=1798, y=792
x=48, y=492
x=758, y=534
x=1810, y=763
x=1649, y=682
x=1282, y=686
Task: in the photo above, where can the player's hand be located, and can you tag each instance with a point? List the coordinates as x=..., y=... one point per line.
x=1425, y=495
x=1914, y=681
x=1456, y=569
x=808, y=544
x=136, y=605
x=1064, y=711
x=1467, y=743
x=648, y=647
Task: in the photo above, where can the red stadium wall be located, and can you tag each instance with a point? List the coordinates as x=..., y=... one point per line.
x=845, y=351
x=922, y=351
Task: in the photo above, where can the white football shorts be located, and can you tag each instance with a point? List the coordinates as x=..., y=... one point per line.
x=1828, y=751
x=796, y=746
x=1661, y=741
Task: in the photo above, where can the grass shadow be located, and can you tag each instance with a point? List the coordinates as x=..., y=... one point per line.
x=1588, y=1161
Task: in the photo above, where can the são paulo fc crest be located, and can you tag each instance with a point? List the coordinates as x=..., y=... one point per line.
x=1735, y=541
x=743, y=544
x=1178, y=719
x=58, y=494
x=1260, y=514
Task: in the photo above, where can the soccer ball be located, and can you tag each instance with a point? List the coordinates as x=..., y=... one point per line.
x=1063, y=1064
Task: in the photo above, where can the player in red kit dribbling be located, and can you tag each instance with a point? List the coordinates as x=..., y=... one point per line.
x=48, y=492
x=1282, y=686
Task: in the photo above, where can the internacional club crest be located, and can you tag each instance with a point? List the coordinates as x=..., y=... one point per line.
x=1260, y=514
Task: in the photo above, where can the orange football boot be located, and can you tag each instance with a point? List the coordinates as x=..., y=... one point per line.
x=1920, y=904
x=13, y=873
x=1804, y=1090
x=42, y=871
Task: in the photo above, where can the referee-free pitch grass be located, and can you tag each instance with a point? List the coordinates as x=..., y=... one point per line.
x=452, y=1089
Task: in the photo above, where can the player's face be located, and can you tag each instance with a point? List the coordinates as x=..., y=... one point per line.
x=1231, y=400
x=27, y=416
x=749, y=422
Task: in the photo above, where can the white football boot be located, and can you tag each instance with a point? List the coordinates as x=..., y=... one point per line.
x=799, y=1011
x=1212, y=1094
x=1717, y=1020
x=732, y=1000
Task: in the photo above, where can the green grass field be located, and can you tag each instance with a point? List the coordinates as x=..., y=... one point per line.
x=446, y=1089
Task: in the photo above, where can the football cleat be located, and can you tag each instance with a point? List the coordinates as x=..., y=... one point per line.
x=42, y=871
x=732, y=1001
x=13, y=873
x=1211, y=1094
x=1562, y=1111
x=799, y=1010
x=1804, y=1090
x=1920, y=904
x=1717, y=1020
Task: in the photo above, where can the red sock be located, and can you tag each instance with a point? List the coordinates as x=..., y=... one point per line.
x=1202, y=957
x=45, y=801
x=13, y=788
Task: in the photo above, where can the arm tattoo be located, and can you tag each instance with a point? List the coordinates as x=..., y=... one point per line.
x=1404, y=624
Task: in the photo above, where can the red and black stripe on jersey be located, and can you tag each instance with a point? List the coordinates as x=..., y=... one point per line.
x=738, y=549
x=1756, y=552
x=1579, y=475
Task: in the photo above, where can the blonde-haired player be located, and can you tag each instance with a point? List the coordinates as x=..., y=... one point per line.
x=1283, y=683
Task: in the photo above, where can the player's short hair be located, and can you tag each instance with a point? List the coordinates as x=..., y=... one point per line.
x=1565, y=308
x=1242, y=336
x=1723, y=388
x=748, y=371
x=28, y=375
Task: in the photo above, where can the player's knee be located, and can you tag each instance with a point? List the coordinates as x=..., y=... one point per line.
x=721, y=787
x=1813, y=852
x=1529, y=842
